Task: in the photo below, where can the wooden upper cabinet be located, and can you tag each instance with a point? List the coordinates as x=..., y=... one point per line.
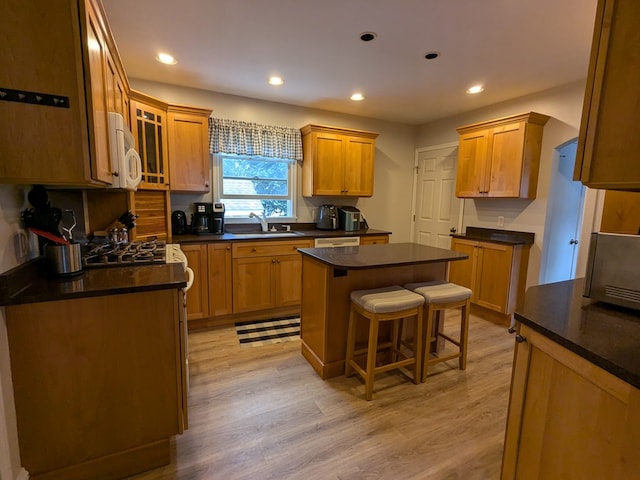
x=48, y=144
x=188, y=148
x=500, y=158
x=149, y=128
x=337, y=161
x=608, y=154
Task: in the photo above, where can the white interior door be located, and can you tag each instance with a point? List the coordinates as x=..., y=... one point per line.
x=436, y=207
x=563, y=220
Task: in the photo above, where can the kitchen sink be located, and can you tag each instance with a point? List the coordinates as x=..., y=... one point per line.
x=266, y=234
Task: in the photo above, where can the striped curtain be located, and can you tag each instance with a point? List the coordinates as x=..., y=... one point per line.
x=253, y=139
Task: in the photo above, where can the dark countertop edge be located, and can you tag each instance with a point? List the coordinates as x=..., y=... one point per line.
x=598, y=360
x=601, y=361
x=27, y=283
x=497, y=236
x=302, y=235
x=313, y=253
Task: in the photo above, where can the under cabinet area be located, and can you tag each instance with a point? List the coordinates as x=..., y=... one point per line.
x=63, y=139
x=500, y=158
x=337, y=161
x=99, y=383
x=608, y=143
x=567, y=417
x=188, y=148
x=496, y=273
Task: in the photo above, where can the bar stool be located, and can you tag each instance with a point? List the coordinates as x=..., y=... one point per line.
x=378, y=305
x=440, y=296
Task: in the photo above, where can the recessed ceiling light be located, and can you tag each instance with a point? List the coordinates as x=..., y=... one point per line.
x=275, y=80
x=475, y=89
x=357, y=97
x=166, y=58
x=431, y=55
x=368, y=36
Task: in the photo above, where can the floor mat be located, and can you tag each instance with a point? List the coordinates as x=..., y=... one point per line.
x=265, y=332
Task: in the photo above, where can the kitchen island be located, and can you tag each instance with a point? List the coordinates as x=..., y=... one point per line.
x=574, y=409
x=329, y=275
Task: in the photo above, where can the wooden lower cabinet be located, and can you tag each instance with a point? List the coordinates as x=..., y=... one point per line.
x=220, y=280
x=266, y=275
x=374, y=239
x=198, y=294
x=210, y=294
x=234, y=279
x=99, y=383
x=496, y=273
x=567, y=417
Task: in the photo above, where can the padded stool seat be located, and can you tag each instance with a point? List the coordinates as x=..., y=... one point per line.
x=440, y=296
x=377, y=305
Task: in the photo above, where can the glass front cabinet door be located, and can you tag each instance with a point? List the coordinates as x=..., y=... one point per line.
x=149, y=120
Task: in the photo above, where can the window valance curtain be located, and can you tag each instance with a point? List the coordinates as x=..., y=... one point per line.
x=253, y=139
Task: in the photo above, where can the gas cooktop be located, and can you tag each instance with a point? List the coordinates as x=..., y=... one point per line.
x=124, y=254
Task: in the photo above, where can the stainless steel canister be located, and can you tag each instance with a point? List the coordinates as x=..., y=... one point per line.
x=63, y=259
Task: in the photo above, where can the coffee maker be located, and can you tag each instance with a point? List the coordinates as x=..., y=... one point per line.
x=217, y=219
x=202, y=218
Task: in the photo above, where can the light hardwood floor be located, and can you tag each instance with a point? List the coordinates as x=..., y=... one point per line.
x=262, y=413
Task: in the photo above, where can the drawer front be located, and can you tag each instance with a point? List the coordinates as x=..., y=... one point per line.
x=267, y=249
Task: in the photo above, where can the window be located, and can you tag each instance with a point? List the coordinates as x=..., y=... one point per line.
x=256, y=184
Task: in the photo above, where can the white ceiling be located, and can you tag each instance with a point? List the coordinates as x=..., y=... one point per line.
x=513, y=47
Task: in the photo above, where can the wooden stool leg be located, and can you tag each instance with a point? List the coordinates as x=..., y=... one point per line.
x=351, y=342
x=371, y=357
x=464, y=335
x=396, y=338
x=427, y=347
x=417, y=347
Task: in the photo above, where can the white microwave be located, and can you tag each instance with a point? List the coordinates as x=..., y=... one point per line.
x=125, y=161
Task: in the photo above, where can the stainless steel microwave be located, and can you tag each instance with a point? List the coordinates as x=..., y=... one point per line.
x=613, y=269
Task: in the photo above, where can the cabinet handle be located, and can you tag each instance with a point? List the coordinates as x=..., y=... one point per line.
x=254, y=249
x=520, y=338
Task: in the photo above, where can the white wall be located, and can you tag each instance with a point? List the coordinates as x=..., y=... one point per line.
x=390, y=206
x=564, y=106
x=12, y=200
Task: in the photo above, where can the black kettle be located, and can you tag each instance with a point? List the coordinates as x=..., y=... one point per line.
x=179, y=222
x=327, y=217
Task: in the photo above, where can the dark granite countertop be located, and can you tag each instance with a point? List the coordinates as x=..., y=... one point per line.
x=29, y=283
x=253, y=235
x=508, y=237
x=606, y=335
x=384, y=255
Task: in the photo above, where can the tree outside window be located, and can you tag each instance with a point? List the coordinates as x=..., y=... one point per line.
x=256, y=184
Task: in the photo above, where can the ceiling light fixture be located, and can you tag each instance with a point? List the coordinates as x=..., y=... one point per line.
x=431, y=55
x=166, y=58
x=475, y=89
x=275, y=80
x=368, y=36
x=357, y=97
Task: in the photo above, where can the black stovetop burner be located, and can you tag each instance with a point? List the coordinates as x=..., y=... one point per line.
x=124, y=254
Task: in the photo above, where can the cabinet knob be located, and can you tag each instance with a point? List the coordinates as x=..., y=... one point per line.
x=520, y=338
x=228, y=248
x=254, y=249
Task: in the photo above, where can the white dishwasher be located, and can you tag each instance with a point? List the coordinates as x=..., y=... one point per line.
x=332, y=242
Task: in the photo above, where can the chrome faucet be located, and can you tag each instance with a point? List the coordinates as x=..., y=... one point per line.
x=262, y=219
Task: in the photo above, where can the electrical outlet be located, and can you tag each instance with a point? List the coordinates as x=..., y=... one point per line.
x=500, y=221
